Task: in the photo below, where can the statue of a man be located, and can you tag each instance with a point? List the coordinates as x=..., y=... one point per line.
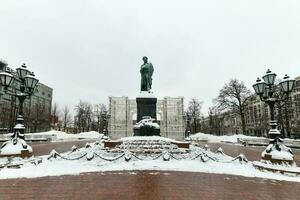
x=146, y=75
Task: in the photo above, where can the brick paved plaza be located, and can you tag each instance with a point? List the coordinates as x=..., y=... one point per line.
x=149, y=184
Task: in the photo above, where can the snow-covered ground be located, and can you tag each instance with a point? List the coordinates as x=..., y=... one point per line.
x=62, y=136
x=56, y=136
x=64, y=167
x=89, y=162
x=241, y=139
x=222, y=138
x=11, y=148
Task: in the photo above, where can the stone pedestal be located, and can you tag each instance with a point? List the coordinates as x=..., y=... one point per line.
x=146, y=131
x=146, y=106
x=146, y=117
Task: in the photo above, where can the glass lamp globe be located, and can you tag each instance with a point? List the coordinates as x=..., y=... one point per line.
x=259, y=86
x=269, y=78
x=30, y=81
x=22, y=72
x=287, y=84
x=6, y=79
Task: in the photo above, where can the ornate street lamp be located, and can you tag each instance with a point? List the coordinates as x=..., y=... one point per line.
x=17, y=145
x=276, y=152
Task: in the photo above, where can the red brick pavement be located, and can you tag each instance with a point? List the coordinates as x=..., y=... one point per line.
x=148, y=186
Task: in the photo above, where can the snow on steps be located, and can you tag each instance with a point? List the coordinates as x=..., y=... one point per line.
x=148, y=144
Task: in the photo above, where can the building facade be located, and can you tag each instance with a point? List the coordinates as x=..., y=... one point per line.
x=295, y=119
x=123, y=115
x=257, y=115
x=36, y=109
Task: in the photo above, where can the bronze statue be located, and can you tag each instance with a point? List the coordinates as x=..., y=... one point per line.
x=146, y=75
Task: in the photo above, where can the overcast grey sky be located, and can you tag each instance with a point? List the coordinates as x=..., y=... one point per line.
x=92, y=49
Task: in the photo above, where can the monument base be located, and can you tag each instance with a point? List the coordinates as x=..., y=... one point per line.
x=146, y=116
x=146, y=106
x=146, y=131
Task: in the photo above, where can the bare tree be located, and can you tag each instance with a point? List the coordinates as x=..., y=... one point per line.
x=233, y=97
x=66, y=117
x=194, y=109
x=216, y=121
x=284, y=110
x=295, y=125
x=5, y=111
x=84, y=116
x=55, y=109
x=39, y=117
x=54, y=116
x=79, y=117
x=263, y=123
x=100, y=110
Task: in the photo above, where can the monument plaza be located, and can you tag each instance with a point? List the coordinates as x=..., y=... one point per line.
x=149, y=100
x=145, y=155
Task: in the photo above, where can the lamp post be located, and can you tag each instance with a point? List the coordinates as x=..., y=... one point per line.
x=17, y=145
x=276, y=152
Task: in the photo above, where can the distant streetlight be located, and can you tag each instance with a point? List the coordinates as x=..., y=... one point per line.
x=28, y=82
x=266, y=90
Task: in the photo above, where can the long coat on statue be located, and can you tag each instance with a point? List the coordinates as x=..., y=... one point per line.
x=146, y=76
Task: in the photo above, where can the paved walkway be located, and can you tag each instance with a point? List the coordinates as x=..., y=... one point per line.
x=148, y=186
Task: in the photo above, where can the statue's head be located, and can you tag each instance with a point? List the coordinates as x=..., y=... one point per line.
x=145, y=59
